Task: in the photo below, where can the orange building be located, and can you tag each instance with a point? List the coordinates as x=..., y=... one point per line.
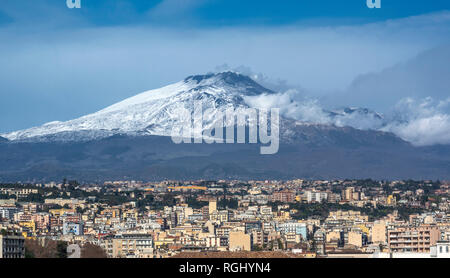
x=413, y=239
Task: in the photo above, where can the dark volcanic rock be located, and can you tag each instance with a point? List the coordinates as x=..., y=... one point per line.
x=314, y=152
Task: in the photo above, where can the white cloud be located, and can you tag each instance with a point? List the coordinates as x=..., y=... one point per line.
x=291, y=105
x=422, y=122
x=359, y=119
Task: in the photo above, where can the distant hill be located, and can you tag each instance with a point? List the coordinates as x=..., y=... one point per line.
x=314, y=153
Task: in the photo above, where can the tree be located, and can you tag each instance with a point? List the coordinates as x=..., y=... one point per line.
x=257, y=248
x=230, y=204
x=36, y=249
x=61, y=250
x=92, y=251
x=280, y=244
x=80, y=210
x=381, y=247
x=314, y=246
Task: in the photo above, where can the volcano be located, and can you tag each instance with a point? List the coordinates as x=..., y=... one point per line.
x=131, y=140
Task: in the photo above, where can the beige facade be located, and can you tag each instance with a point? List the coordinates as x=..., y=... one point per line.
x=413, y=239
x=129, y=245
x=355, y=239
x=212, y=206
x=221, y=216
x=379, y=232
x=333, y=236
x=239, y=241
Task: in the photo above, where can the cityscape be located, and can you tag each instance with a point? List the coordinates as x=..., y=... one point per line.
x=226, y=219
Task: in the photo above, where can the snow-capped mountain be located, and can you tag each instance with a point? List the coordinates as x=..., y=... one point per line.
x=156, y=112
x=153, y=112
x=308, y=149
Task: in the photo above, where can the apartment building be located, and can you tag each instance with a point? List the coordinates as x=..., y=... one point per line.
x=441, y=250
x=18, y=192
x=355, y=238
x=315, y=197
x=379, y=232
x=8, y=211
x=347, y=193
x=285, y=196
x=293, y=228
x=259, y=238
x=413, y=239
x=239, y=241
x=12, y=246
x=129, y=245
x=349, y=215
x=71, y=228
x=219, y=215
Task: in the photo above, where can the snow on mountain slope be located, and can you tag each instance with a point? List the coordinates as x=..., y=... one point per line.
x=359, y=118
x=153, y=112
x=156, y=112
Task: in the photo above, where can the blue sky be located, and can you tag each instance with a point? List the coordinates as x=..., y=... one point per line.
x=58, y=64
x=204, y=13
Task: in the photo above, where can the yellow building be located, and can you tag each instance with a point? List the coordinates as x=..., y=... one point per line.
x=31, y=225
x=60, y=212
x=364, y=229
x=390, y=201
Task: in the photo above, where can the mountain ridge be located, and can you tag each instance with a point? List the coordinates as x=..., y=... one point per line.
x=153, y=112
x=340, y=154
x=131, y=140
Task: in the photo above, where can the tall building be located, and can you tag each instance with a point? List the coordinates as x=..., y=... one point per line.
x=320, y=242
x=12, y=246
x=284, y=196
x=128, y=245
x=259, y=238
x=239, y=241
x=379, y=232
x=293, y=227
x=219, y=215
x=70, y=228
x=212, y=206
x=7, y=212
x=355, y=238
x=413, y=239
x=347, y=194
x=315, y=197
